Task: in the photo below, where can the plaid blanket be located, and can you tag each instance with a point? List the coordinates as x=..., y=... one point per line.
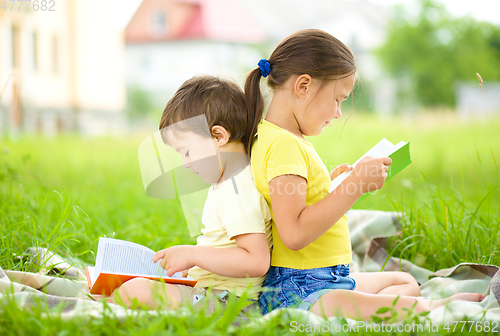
x=68, y=291
x=369, y=233
x=62, y=284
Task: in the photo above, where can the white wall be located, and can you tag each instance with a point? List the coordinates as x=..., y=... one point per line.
x=90, y=75
x=470, y=101
x=161, y=68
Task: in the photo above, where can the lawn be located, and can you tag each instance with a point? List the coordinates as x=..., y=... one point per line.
x=65, y=192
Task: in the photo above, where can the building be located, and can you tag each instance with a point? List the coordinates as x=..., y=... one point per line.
x=474, y=102
x=64, y=68
x=169, y=41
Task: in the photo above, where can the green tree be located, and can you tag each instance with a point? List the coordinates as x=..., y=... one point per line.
x=433, y=51
x=361, y=97
x=139, y=102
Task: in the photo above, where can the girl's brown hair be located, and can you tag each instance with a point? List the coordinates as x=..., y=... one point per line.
x=222, y=102
x=310, y=51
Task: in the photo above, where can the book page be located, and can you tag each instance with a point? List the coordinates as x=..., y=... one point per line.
x=399, y=145
x=383, y=148
x=123, y=257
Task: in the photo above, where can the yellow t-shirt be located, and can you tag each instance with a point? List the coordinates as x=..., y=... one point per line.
x=236, y=207
x=278, y=152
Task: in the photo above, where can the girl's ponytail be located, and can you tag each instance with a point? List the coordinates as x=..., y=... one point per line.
x=255, y=106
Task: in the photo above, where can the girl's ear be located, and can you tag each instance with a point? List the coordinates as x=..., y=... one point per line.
x=220, y=135
x=302, y=85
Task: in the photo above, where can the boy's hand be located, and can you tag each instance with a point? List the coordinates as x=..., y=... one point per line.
x=370, y=174
x=176, y=258
x=339, y=170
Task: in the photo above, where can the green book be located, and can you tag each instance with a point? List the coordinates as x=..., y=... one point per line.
x=399, y=153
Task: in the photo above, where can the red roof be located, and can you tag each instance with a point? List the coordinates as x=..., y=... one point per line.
x=222, y=20
x=194, y=28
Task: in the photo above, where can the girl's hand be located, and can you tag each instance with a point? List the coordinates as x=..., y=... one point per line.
x=339, y=170
x=369, y=174
x=176, y=258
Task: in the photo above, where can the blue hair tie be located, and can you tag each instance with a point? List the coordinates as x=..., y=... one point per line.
x=265, y=67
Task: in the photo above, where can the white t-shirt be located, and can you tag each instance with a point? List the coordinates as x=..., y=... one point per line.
x=236, y=207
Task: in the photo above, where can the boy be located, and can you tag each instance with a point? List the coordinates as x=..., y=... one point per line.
x=207, y=122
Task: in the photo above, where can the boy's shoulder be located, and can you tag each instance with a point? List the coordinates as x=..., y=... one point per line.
x=242, y=178
x=239, y=198
x=241, y=187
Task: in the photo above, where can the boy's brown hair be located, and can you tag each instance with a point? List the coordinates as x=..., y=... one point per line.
x=222, y=102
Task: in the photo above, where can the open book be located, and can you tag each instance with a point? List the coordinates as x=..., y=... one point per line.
x=400, y=155
x=118, y=261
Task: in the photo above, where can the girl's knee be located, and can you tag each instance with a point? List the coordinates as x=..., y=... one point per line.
x=407, y=277
x=411, y=286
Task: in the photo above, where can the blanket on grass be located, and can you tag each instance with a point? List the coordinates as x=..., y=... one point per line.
x=61, y=284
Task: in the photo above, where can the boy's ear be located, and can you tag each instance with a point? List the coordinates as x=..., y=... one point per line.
x=302, y=85
x=220, y=135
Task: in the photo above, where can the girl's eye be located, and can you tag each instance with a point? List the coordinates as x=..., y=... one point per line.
x=187, y=154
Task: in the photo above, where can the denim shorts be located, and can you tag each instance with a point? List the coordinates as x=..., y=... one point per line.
x=301, y=288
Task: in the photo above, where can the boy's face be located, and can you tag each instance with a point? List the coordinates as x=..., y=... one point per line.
x=199, y=153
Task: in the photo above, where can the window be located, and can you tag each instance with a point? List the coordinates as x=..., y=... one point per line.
x=158, y=25
x=34, y=37
x=16, y=61
x=55, y=55
x=146, y=64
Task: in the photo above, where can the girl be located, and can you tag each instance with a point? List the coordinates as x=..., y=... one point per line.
x=311, y=73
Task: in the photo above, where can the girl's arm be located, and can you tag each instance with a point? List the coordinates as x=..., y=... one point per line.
x=250, y=258
x=299, y=225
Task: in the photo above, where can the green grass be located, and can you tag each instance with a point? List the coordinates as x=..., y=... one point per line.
x=14, y=321
x=82, y=188
x=449, y=193
x=65, y=192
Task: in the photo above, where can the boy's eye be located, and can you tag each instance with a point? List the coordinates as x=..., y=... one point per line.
x=187, y=154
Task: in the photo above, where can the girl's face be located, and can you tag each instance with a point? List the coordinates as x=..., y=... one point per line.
x=323, y=104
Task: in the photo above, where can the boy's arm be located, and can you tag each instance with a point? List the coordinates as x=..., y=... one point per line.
x=250, y=258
